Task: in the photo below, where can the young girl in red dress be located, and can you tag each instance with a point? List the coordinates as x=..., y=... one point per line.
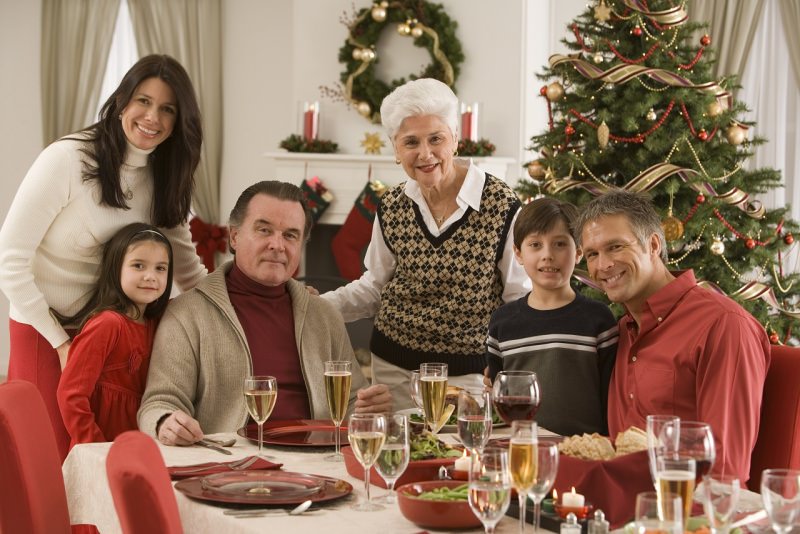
x=102, y=384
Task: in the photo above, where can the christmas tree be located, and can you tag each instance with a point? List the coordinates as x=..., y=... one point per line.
x=635, y=107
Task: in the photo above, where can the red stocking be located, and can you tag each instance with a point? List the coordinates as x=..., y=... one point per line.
x=354, y=236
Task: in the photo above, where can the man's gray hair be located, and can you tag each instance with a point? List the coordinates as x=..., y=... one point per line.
x=637, y=207
x=426, y=96
x=275, y=189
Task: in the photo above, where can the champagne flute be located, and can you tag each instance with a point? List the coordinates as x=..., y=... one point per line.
x=366, y=433
x=691, y=439
x=393, y=458
x=655, y=425
x=676, y=477
x=474, y=418
x=516, y=395
x=656, y=516
x=780, y=493
x=720, y=496
x=546, y=470
x=413, y=385
x=523, y=459
x=433, y=387
x=260, y=394
x=489, y=486
x=338, y=376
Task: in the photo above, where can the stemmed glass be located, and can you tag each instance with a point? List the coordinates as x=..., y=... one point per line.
x=675, y=476
x=546, y=470
x=394, y=456
x=780, y=493
x=338, y=376
x=655, y=424
x=516, y=395
x=489, y=486
x=260, y=394
x=474, y=418
x=433, y=387
x=692, y=439
x=413, y=386
x=366, y=433
x=523, y=459
x=654, y=516
x=720, y=496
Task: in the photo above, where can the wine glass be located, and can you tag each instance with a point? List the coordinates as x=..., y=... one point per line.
x=433, y=387
x=393, y=458
x=675, y=476
x=260, y=394
x=546, y=470
x=474, y=418
x=720, y=496
x=655, y=424
x=413, y=385
x=489, y=486
x=338, y=376
x=692, y=439
x=366, y=433
x=654, y=516
x=516, y=395
x=780, y=493
x=523, y=459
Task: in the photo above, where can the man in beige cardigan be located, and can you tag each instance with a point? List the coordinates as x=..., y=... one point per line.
x=249, y=317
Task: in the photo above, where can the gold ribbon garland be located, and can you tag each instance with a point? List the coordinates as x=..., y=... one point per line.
x=674, y=16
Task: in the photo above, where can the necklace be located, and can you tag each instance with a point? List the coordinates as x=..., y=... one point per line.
x=128, y=191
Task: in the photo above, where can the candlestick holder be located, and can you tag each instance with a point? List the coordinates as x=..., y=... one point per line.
x=469, y=120
x=581, y=512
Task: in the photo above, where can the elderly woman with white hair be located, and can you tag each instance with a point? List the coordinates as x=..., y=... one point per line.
x=440, y=260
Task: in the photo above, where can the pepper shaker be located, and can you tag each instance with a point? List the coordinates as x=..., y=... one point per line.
x=571, y=526
x=598, y=525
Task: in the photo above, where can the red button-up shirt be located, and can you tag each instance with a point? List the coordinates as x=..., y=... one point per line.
x=697, y=355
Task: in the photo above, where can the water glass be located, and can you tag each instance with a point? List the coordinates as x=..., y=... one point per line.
x=720, y=496
x=655, y=424
x=656, y=516
x=338, y=376
x=780, y=493
x=474, y=418
x=489, y=486
x=366, y=433
x=523, y=461
x=546, y=470
x=516, y=395
x=433, y=389
x=260, y=394
x=393, y=458
x=413, y=386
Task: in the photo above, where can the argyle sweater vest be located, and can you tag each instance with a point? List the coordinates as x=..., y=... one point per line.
x=436, y=307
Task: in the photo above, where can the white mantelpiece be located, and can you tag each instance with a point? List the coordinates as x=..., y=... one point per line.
x=345, y=175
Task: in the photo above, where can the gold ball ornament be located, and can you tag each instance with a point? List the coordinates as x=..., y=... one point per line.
x=403, y=29
x=598, y=58
x=378, y=13
x=555, y=91
x=673, y=228
x=535, y=169
x=651, y=114
x=364, y=108
x=717, y=247
x=416, y=31
x=367, y=54
x=735, y=134
x=357, y=52
x=714, y=109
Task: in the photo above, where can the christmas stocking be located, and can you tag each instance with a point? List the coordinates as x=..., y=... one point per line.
x=318, y=198
x=351, y=240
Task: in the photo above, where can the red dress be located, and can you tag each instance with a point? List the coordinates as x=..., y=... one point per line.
x=102, y=384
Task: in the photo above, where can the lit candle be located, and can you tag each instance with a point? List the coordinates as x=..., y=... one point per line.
x=310, y=121
x=466, y=124
x=462, y=464
x=572, y=499
x=548, y=504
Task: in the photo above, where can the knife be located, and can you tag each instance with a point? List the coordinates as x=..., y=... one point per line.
x=208, y=445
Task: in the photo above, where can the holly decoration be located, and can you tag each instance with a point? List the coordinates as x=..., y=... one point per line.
x=298, y=143
x=482, y=148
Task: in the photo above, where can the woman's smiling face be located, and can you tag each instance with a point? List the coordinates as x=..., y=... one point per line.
x=425, y=147
x=150, y=115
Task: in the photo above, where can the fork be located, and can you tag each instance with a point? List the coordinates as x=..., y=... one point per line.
x=238, y=465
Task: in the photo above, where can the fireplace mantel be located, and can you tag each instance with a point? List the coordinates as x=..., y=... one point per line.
x=346, y=174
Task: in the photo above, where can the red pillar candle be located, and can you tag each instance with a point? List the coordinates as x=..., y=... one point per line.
x=469, y=121
x=310, y=120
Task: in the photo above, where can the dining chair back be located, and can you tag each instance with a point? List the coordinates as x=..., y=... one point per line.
x=139, y=481
x=778, y=442
x=32, y=495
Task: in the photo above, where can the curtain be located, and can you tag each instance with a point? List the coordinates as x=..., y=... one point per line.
x=790, y=14
x=731, y=30
x=190, y=31
x=76, y=38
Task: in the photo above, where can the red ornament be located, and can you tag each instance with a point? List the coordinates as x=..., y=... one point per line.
x=637, y=31
x=700, y=199
x=788, y=239
x=569, y=130
x=750, y=243
x=702, y=135
x=705, y=40
x=773, y=338
x=543, y=90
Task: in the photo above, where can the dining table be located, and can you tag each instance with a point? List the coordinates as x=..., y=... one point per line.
x=90, y=502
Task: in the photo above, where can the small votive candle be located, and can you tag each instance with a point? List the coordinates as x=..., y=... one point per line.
x=548, y=505
x=572, y=499
x=462, y=464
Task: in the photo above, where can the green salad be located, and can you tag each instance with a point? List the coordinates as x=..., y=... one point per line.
x=453, y=419
x=426, y=446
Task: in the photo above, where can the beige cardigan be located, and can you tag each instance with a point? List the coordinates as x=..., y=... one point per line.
x=200, y=356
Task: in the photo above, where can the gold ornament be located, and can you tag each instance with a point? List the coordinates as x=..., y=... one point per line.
x=403, y=29
x=367, y=55
x=598, y=58
x=651, y=114
x=416, y=31
x=535, y=169
x=357, y=54
x=372, y=143
x=735, y=134
x=378, y=13
x=364, y=109
x=672, y=226
x=714, y=109
x=717, y=247
x=602, y=134
x=554, y=92
x=602, y=12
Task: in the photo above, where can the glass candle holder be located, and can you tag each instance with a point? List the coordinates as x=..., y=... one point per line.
x=469, y=120
x=309, y=120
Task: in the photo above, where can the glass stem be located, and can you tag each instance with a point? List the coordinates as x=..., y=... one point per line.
x=521, y=496
x=366, y=482
x=260, y=439
x=337, y=436
x=537, y=510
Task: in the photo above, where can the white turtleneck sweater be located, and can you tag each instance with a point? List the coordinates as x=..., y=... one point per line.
x=51, y=241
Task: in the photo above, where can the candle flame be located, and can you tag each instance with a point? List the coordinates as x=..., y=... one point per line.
x=573, y=489
x=555, y=494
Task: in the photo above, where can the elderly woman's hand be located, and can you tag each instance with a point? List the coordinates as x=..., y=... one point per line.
x=374, y=399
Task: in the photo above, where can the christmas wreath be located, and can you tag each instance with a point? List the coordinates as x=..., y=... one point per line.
x=427, y=24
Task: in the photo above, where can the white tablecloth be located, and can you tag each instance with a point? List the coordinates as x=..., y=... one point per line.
x=89, y=497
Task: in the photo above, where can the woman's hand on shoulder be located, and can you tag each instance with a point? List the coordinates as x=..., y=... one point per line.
x=63, y=352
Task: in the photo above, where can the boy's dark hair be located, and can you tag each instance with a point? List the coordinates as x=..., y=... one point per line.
x=541, y=215
x=108, y=293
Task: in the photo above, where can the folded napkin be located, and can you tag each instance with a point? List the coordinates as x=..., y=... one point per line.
x=179, y=472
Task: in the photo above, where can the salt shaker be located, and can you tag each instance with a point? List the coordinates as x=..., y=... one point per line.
x=571, y=526
x=598, y=525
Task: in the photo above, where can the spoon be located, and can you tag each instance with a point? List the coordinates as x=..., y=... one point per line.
x=297, y=510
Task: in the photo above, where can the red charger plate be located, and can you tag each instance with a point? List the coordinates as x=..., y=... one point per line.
x=296, y=433
x=417, y=470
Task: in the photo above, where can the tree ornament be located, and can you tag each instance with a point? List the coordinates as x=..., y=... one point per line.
x=717, y=247
x=535, y=169
x=367, y=55
x=378, y=13
x=602, y=135
x=735, y=134
x=714, y=109
x=651, y=114
x=672, y=226
x=364, y=108
x=702, y=135
x=372, y=143
x=705, y=40
x=569, y=129
x=773, y=338
x=788, y=239
x=357, y=53
x=416, y=32
x=403, y=29
x=601, y=11
x=750, y=243
x=700, y=199
x=543, y=90
x=637, y=31
x=598, y=57
x=555, y=91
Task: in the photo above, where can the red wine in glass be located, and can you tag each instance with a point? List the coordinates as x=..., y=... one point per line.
x=515, y=408
x=703, y=466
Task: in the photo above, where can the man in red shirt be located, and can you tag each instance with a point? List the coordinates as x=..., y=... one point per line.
x=683, y=350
